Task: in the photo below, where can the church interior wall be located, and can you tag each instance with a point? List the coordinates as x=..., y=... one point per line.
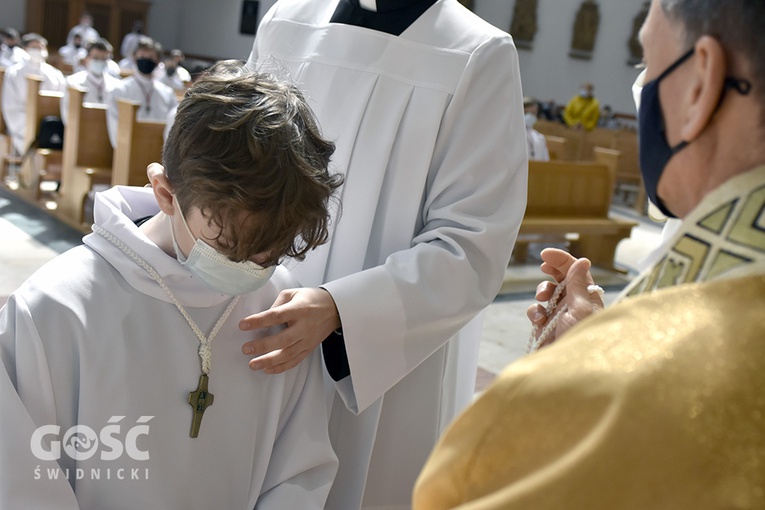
x=548, y=72
x=14, y=14
x=205, y=28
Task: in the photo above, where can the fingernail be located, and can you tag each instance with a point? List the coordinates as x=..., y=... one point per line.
x=247, y=350
x=244, y=326
x=538, y=316
x=256, y=366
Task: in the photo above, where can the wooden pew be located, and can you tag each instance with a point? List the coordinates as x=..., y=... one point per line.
x=629, y=179
x=87, y=157
x=570, y=201
x=138, y=144
x=44, y=164
x=559, y=148
x=608, y=157
x=580, y=146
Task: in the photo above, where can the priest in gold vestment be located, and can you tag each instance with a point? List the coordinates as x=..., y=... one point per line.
x=659, y=401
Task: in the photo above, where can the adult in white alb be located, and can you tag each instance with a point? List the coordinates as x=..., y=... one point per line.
x=85, y=29
x=156, y=99
x=73, y=54
x=95, y=80
x=121, y=378
x=14, y=99
x=130, y=41
x=423, y=100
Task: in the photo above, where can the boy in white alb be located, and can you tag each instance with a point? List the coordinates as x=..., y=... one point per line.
x=156, y=99
x=121, y=373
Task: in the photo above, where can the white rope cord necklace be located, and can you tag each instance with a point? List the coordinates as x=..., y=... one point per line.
x=535, y=342
x=200, y=399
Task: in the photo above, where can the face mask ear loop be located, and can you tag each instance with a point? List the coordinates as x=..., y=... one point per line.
x=183, y=219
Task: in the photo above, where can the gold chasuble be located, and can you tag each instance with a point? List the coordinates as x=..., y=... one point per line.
x=656, y=403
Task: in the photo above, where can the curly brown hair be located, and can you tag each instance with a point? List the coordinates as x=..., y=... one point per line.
x=246, y=150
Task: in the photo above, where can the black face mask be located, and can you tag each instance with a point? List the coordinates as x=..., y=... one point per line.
x=145, y=65
x=655, y=152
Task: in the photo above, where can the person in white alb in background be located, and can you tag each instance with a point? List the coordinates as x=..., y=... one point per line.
x=535, y=141
x=10, y=48
x=95, y=80
x=156, y=99
x=73, y=54
x=173, y=75
x=14, y=99
x=84, y=29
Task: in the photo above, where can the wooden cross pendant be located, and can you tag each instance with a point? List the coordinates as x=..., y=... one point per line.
x=199, y=400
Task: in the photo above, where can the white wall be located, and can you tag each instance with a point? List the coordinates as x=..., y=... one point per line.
x=164, y=22
x=548, y=72
x=14, y=14
x=212, y=28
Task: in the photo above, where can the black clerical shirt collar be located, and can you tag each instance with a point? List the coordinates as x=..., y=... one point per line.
x=392, y=16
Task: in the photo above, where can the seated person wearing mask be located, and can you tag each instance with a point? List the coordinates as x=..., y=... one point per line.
x=14, y=101
x=156, y=99
x=535, y=141
x=95, y=80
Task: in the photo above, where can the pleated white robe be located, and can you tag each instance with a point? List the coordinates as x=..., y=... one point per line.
x=431, y=140
x=91, y=340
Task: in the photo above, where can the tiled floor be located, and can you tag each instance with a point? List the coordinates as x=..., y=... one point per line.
x=30, y=237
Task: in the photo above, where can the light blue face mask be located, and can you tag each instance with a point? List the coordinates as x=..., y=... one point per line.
x=220, y=272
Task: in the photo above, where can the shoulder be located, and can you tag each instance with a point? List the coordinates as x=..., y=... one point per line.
x=51, y=71
x=451, y=26
x=70, y=277
x=14, y=71
x=77, y=79
x=162, y=88
x=675, y=336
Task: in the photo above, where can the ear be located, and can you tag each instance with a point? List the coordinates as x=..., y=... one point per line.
x=709, y=69
x=163, y=192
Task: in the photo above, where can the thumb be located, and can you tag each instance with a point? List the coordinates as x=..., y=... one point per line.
x=580, y=300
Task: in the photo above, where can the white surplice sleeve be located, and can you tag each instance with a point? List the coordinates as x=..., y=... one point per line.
x=302, y=465
x=397, y=314
x=27, y=397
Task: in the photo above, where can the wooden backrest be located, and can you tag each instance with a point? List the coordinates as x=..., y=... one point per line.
x=629, y=164
x=558, y=147
x=39, y=104
x=568, y=189
x=138, y=144
x=608, y=157
x=86, y=139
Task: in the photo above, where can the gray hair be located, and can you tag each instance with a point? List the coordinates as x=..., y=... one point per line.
x=737, y=24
